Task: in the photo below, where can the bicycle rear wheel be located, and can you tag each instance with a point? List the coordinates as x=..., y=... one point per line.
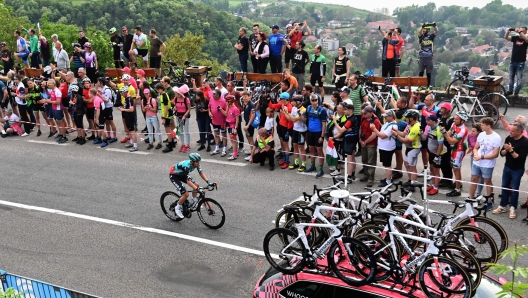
x=384, y=257
x=466, y=260
x=346, y=255
x=439, y=276
x=168, y=202
x=284, y=250
x=455, y=84
x=498, y=100
x=491, y=227
x=211, y=214
x=485, y=109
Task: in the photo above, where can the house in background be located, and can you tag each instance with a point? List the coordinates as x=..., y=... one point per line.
x=334, y=24
x=384, y=24
x=329, y=44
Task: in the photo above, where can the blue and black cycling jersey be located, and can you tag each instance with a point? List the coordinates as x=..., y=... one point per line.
x=183, y=169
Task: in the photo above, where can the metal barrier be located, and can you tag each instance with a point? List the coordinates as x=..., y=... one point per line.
x=33, y=288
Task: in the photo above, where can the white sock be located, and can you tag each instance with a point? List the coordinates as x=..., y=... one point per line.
x=135, y=145
x=224, y=148
x=3, y=131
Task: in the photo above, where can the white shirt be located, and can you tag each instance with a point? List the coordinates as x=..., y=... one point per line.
x=298, y=125
x=11, y=120
x=107, y=95
x=269, y=123
x=20, y=90
x=389, y=143
x=223, y=91
x=487, y=144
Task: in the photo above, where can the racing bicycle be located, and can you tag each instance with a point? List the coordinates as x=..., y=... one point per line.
x=479, y=109
x=209, y=211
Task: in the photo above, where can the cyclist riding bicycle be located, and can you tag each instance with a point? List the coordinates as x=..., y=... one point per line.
x=180, y=172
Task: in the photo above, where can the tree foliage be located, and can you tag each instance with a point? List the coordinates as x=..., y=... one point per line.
x=168, y=17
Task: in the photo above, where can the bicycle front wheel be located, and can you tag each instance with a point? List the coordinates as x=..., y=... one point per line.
x=484, y=109
x=478, y=242
x=168, y=202
x=491, y=227
x=466, y=260
x=211, y=214
x=284, y=250
x=348, y=254
x=455, y=84
x=439, y=276
x=385, y=260
x=499, y=100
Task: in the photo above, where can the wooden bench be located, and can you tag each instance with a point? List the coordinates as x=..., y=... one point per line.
x=408, y=82
x=258, y=77
x=33, y=73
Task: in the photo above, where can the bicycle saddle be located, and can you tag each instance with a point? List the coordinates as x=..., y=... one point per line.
x=458, y=204
x=444, y=215
x=385, y=211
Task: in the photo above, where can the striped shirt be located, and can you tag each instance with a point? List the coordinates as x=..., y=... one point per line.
x=356, y=95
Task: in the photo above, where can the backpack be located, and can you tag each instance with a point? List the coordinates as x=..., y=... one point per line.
x=113, y=97
x=256, y=120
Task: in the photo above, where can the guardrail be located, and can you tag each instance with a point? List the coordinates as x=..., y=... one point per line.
x=33, y=288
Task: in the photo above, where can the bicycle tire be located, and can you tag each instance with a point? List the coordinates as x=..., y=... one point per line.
x=168, y=201
x=488, y=110
x=283, y=216
x=463, y=280
x=317, y=235
x=454, y=84
x=358, y=255
x=206, y=205
x=383, y=254
x=466, y=260
x=491, y=227
x=296, y=249
x=499, y=100
x=477, y=241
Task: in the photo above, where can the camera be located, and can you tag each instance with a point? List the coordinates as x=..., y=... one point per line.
x=512, y=29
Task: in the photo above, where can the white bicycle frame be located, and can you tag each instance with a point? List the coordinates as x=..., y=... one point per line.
x=474, y=100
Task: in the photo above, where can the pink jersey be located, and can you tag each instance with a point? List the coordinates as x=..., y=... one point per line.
x=55, y=94
x=99, y=103
x=218, y=118
x=232, y=114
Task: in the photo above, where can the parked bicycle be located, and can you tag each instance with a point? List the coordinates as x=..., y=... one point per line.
x=176, y=73
x=209, y=211
x=479, y=109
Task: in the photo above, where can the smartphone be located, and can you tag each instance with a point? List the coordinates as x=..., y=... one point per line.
x=372, y=120
x=218, y=107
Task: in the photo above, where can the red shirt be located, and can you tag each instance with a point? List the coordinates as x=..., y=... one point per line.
x=86, y=95
x=63, y=88
x=366, y=132
x=399, y=45
x=282, y=119
x=296, y=36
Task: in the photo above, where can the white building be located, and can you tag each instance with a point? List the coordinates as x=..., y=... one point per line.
x=329, y=44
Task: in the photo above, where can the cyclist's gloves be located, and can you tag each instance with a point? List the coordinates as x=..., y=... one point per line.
x=209, y=183
x=200, y=190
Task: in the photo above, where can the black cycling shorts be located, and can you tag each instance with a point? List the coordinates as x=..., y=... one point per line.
x=178, y=181
x=314, y=80
x=298, y=137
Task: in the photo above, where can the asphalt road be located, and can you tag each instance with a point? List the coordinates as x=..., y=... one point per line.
x=114, y=261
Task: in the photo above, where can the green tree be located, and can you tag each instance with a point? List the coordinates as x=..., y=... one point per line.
x=442, y=78
x=372, y=60
x=445, y=57
x=184, y=48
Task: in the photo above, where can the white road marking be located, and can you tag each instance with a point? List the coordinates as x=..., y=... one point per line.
x=136, y=227
x=230, y=163
x=45, y=142
x=126, y=151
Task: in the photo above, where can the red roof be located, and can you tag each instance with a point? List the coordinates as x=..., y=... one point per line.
x=482, y=49
x=475, y=70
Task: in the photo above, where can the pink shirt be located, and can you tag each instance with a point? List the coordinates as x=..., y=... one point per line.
x=509, y=127
x=133, y=83
x=98, y=103
x=54, y=94
x=232, y=113
x=472, y=140
x=218, y=118
x=152, y=104
x=181, y=106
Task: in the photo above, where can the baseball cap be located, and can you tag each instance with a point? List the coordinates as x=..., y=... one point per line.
x=275, y=27
x=368, y=109
x=347, y=106
x=389, y=113
x=345, y=89
x=284, y=95
x=432, y=117
x=289, y=26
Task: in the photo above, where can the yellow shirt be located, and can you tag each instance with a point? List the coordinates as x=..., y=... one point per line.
x=414, y=134
x=131, y=92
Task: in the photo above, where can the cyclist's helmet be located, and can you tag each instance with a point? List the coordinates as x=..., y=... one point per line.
x=195, y=157
x=74, y=88
x=78, y=45
x=298, y=98
x=87, y=45
x=86, y=80
x=125, y=77
x=47, y=69
x=123, y=89
x=463, y=115
x=284, y=95
x=411, y=114
x=446, y=105
x=2, y=44
x=112, y=30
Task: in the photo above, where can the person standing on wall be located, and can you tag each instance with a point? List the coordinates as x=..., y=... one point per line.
x=242, y=46
x=253, y=41
x=426, y=41
x=517, y=60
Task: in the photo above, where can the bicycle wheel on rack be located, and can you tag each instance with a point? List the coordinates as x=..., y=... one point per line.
x=284, y=250
x=317, y=235
x=466, y=260
x=455, y=84
x=491, y=227
x=211, y=214
x=498, y=100
x=384, y=257
x=168, y=202
x=484, y=109
x=478, y=242
x=348, y=255
x=439, y=276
